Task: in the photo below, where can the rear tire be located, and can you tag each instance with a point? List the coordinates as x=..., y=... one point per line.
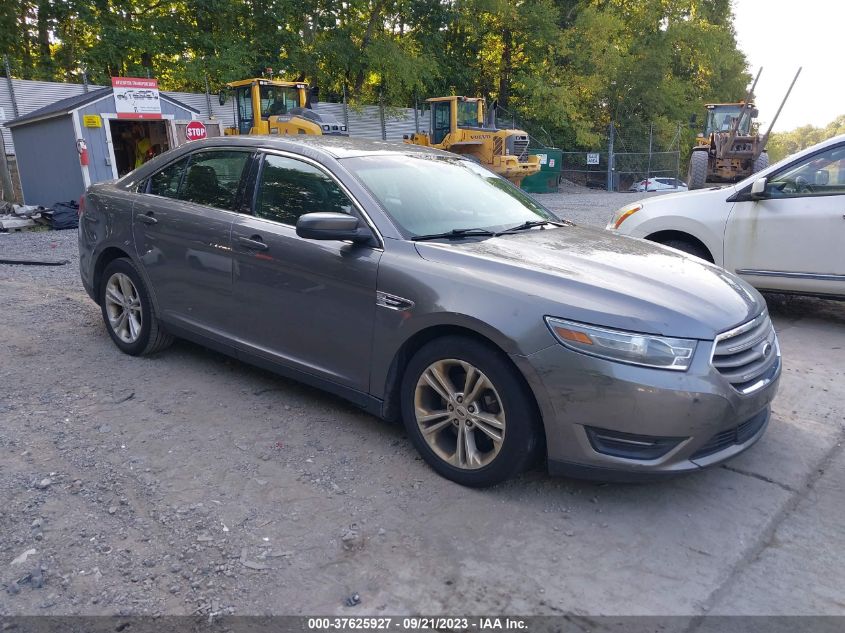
x=689, y=247
x=697, y=176
x=761, y=162
x=128, y=312
x=468, y=412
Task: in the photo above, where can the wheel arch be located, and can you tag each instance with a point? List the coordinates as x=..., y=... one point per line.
x=391, y=408
x=662, y=236
x=105, y=258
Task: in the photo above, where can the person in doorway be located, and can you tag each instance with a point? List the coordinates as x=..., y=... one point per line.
x=143, y=146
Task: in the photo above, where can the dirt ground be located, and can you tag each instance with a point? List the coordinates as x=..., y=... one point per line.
x=191, y=483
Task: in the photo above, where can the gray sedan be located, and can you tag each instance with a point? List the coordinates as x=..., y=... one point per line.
x=423, y=288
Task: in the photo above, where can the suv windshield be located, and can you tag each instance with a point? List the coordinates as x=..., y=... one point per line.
x=427, y=194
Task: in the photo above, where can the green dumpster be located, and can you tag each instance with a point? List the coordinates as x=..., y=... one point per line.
x=545, y=180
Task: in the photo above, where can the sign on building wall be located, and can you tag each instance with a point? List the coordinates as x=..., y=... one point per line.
x=136, y=98
x=92, y=120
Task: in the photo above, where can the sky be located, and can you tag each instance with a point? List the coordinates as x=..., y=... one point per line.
x=780, y=36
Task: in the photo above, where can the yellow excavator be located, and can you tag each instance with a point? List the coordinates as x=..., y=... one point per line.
x=269, y=106
x=458, y=125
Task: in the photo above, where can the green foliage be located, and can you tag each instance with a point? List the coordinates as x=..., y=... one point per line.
x=782, y=144
x=564, y=67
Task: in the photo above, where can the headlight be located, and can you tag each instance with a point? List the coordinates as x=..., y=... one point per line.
x=625, y=347
x=623, y=214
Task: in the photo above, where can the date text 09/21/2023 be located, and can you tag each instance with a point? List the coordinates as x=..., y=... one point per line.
x=416, y=623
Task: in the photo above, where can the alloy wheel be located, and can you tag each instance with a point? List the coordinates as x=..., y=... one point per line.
x=123, y=308
x=459, y=413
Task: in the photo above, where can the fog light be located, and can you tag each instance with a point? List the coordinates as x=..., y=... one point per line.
x=630, y=445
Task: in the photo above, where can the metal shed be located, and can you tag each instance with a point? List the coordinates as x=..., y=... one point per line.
x=46, y=142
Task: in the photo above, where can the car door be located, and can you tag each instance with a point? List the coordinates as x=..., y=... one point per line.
x=791, y=237
x=305, y=304
x=182, y=229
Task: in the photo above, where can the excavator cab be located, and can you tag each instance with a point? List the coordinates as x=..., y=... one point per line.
x=265, y=106
x=721, y=118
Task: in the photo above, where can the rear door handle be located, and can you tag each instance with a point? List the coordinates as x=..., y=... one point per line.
x=147, y=218
x=254, y=243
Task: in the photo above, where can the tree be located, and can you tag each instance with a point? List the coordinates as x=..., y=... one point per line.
x=565, y=68
x=783, y=144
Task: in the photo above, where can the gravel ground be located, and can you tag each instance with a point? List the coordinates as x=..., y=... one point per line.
x=190, y=483
x=588, y=207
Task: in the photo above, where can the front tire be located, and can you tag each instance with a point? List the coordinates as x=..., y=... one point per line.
x=761, y=162
x=468, y=412
x=697, y=176
x=128, y=312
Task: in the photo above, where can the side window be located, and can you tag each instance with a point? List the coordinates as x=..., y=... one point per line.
x=290, y=188
x=166, y=182
x=820, y=175
x=212, y=178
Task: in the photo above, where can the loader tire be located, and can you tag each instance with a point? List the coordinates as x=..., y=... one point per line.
x=761, y=162
x=697, y=177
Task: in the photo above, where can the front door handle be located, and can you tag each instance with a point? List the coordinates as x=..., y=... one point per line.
x=148, y=218
x=254, y=243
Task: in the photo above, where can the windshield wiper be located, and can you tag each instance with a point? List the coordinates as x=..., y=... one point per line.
x=455, y=233
x=530, y=224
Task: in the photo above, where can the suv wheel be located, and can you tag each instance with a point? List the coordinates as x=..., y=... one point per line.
x=468, y=413
x=128, y=312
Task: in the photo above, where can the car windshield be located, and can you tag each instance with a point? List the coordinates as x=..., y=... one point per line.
x=427, y=194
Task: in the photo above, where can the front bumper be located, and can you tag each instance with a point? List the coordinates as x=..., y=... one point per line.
x=697, y=415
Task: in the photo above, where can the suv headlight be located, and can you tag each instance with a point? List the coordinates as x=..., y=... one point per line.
x=623, y=214
x=625, y=347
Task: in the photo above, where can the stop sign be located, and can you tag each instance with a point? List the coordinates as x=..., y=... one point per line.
x=195, y=131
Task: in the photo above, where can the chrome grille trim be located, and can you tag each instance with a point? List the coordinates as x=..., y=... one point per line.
x=748, y=356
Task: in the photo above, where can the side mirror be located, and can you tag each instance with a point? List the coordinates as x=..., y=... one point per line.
x=332, y=226
x=758, y=189
x=693, y=119
x=221, y=97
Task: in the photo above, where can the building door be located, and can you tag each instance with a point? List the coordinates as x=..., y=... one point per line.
x=134, y=142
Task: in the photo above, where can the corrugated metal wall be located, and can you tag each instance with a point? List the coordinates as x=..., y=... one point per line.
x=364, y=121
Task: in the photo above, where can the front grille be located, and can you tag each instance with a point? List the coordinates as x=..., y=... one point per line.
x=731, y=437
x=520, y=147
x=748, y=356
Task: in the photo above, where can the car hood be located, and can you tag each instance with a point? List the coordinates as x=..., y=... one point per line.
x=698, y=195
x=602, y=279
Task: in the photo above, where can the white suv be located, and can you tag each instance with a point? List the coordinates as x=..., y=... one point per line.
x=781, y=229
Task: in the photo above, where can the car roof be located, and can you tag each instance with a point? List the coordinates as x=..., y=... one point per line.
x=335, y=146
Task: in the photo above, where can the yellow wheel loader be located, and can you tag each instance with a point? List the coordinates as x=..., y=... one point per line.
x=458, y=126
x=268, y=106
x=730, y=148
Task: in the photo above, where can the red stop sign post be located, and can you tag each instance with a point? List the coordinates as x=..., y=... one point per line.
x=195, y=131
